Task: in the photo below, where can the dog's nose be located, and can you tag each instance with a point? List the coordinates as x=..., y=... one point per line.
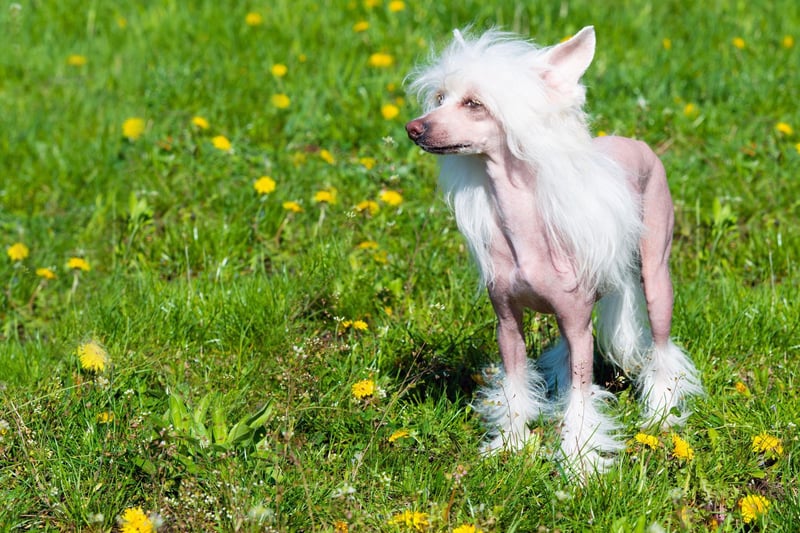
x=415, y=129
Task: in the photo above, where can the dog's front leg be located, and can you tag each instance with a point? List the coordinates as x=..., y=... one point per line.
x=517, y=395
x=587, y=433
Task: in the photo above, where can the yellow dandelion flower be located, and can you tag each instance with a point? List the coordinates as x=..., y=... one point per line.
x=326, y=197
x=753, y=506
x=106, y=417
x=134, y=520
x=370, y=206
x=18, y=251
x=787, y=41
x=741, y=388
x=92, y=356
x=784, y=128
x=45, y=273
x=133, y=128
x=797, y=147
x=666, y=43
x=360, y=325
x=221, y=142
x=76, y=60
x=392, y=198
x=367, y=162
x=347, y=323
x=264, y=185
x=738, y=42
x=381, y=60
x=397, y=435
x=292, y=206
x=466, y=528
x=200, y=122
x=601, y=133
x=122, y=23
x=361, y=26
x=253, y=19
x=381, y=257
x=682, y=450
x=411, y=519
x=389, y=111
x=280, y=100
x=363, y=389
x=396, y=5
x=340, y=526
x=648, y=440
x=299, y=158
x=765, y=443
x=279, y=70
x=327, y=156
x=78, y=263
x=690, y=110
x=369, y=4
x=367, y=245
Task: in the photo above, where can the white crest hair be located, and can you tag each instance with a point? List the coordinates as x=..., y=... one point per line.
x=591, y=215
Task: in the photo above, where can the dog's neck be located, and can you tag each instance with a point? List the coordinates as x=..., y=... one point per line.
x=512, y=188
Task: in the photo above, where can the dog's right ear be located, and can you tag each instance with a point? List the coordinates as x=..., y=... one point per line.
x=566, y=62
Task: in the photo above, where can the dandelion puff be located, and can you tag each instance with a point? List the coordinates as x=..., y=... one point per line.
x=92, y=356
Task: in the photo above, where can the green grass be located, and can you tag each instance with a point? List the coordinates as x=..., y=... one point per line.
x=224, y=315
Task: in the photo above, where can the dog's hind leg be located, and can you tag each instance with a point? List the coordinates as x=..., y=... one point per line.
x=668, y=377
x=588, y=439
x=516, y=396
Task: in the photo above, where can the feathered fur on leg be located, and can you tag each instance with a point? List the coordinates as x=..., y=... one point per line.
x=507, y=404
x=588, y=440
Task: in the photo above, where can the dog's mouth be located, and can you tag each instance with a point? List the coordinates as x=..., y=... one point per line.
x=447, y=149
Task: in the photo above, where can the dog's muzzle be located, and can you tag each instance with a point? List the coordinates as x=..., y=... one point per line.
x=416, y=130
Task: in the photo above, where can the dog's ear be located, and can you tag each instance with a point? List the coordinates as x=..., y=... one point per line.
x=567, y=61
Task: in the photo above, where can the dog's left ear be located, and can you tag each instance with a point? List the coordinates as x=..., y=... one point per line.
x=567, y=61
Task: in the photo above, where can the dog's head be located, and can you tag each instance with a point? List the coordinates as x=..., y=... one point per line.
x=483, y=95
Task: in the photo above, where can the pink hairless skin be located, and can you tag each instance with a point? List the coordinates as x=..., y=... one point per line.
x=557, y=222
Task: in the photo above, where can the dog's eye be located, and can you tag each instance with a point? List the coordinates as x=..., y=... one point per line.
x=439, y=98
x=472, y=103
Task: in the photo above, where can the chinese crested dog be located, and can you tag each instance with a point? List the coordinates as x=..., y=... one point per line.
x=557, y=221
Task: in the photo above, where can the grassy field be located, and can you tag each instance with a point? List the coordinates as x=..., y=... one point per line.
x=232, y=299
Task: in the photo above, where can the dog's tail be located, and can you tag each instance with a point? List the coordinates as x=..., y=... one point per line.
x=623, y=328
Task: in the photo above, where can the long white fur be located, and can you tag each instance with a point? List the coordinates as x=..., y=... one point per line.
x=595, y=222
x=508, y=403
